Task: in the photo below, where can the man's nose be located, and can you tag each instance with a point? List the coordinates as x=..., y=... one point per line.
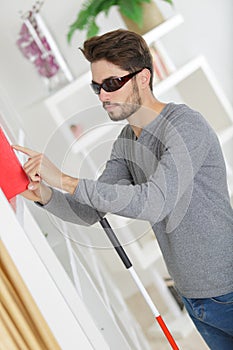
x=104, y=95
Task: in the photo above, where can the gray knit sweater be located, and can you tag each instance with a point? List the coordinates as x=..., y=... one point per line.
x=173, y=176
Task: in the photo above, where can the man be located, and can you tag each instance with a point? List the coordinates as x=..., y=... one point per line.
x=166, y=167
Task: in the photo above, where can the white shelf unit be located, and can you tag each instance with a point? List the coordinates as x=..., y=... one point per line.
x=163, y=29
x=49, y=285
x=198, y=86
x=194, y=84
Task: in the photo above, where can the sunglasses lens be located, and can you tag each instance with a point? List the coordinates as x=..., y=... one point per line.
x=112, y=84
x=96, y=88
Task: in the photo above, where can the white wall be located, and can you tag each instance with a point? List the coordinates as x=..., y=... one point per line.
x=207, y=29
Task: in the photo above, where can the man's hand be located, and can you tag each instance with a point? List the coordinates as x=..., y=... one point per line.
x=39, y=167
x=38, y=192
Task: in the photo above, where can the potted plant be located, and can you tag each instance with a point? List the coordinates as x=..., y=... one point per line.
x=131, y=10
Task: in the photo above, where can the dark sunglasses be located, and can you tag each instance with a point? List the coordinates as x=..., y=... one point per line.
x=113, y=84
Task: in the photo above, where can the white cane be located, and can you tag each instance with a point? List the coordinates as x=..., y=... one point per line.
x=126, y=261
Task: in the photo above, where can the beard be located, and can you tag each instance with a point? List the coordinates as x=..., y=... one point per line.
x=124, y=110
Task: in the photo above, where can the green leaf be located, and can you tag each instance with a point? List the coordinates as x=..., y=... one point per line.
x=132, y=10
x=86, y=18
x=169, y=1
x=93, y=29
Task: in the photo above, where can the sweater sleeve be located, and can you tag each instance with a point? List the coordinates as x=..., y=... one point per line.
x=168, y=190
x=68, y=208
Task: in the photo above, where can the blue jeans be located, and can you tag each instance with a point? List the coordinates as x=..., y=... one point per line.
x=213, y=318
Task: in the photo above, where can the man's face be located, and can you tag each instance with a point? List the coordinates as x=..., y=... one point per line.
x=119, y=104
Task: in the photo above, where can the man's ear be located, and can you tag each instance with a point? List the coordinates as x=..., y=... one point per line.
x=145, y=78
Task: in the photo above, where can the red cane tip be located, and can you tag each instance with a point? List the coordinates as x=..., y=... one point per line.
x=167, y=333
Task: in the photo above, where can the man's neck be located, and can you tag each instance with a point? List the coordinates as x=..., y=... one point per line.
x=144, y=116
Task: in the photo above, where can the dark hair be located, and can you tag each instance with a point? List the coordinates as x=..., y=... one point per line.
x=124, y=48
